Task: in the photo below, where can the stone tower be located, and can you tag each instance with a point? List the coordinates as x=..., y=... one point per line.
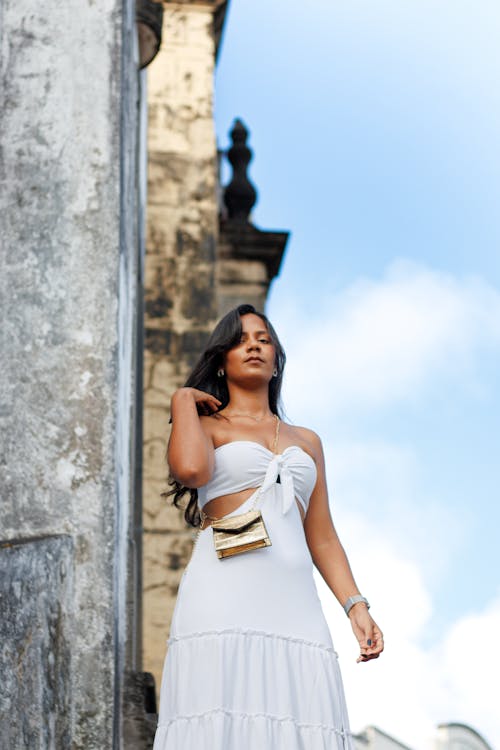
x=202, y=258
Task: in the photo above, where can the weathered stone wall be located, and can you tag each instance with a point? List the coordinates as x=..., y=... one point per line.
x=247, y=261
x=179, y=282
x=237, y=281
x=194, y=274
x=36, y=585
x=67, y=203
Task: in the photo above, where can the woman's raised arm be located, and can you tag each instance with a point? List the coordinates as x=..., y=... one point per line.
x=190, y=452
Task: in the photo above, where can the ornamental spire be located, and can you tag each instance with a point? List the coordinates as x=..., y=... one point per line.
x=240, y=195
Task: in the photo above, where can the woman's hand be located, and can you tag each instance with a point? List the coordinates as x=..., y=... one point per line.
x=367, y=632
x=206, y=404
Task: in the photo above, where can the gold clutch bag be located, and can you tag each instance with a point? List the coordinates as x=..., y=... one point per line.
x=242, y=533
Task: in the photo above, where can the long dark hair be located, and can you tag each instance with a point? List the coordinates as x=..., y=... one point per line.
x=226, y=335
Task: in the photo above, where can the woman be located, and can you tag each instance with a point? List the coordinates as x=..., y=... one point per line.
x=250, y=662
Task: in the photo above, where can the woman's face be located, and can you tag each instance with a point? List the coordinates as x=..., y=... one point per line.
x=254, y=358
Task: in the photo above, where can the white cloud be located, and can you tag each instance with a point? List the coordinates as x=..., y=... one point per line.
x=380, y=481
x=470, y=663
x=370, y=471
x=413, y=687
x=381, y=344
x=383, y=341
x=400, y=547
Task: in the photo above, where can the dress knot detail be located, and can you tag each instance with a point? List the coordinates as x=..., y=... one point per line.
x=278, y=467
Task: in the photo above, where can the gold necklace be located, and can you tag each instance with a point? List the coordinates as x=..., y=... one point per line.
x=250, y=416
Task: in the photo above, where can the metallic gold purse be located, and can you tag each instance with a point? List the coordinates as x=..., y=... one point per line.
x=244, y=532
x=241, y=533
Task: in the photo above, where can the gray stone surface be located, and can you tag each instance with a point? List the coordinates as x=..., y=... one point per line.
x=36, y=582
x=140, y=711
x=67, y=304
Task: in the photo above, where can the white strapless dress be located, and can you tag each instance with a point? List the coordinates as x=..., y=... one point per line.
x=250, y=662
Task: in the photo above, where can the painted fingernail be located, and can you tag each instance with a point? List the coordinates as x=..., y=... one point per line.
x=369, y=641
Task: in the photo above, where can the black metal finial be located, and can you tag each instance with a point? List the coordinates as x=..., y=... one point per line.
x=240, y=195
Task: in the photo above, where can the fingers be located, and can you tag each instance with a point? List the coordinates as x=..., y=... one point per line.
x=210, y=407
x=213, y=402
x=368, y=654
x=364, y=657
x=368, y=634
x=371, y=646
x=208, y=404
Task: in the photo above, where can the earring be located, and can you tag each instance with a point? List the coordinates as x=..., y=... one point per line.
x=220, y=372
x=275, y=372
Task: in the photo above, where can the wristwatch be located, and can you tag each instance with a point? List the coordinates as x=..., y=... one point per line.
x=354, y=600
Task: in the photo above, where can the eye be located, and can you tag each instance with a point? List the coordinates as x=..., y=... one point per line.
x=265, y=341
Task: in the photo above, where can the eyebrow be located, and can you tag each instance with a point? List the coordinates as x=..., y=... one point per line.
x=258, y=333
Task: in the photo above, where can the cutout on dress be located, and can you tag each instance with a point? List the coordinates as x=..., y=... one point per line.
x=235, y=501
x=301, y=510
x=230, y=503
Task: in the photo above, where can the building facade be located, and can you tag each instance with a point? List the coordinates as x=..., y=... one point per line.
x=450, y=736
x=202, y=258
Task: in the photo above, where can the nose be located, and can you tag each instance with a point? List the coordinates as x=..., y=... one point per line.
x=253, y=345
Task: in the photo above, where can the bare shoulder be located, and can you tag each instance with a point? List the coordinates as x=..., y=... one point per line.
x=209, y=425
x=308, y=437
x=213, y=426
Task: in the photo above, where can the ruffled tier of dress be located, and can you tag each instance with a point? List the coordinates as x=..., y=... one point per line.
x=290, y=698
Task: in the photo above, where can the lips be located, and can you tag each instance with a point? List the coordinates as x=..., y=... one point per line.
x=254, y=359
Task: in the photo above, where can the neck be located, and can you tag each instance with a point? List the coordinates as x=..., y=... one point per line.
x=253, y=403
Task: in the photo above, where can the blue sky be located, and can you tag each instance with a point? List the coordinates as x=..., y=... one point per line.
x=375, y=127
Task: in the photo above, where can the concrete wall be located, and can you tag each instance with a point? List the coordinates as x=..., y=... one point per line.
x=67, y=203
